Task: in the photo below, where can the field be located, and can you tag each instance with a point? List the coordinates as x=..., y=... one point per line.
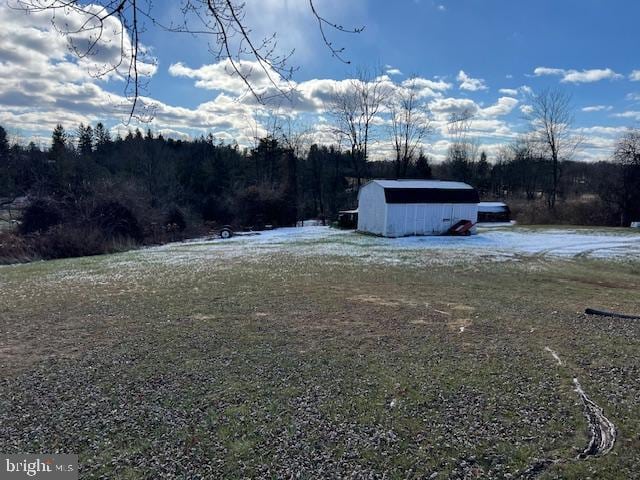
x=316, y=353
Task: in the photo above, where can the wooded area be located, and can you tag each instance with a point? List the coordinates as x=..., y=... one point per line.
x=91, y=193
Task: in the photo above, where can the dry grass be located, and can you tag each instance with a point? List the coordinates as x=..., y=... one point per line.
x=280, y=365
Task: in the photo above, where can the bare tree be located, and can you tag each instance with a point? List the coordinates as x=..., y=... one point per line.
x=410, y=123
x=531, y=169
x=551, y=120
x=280, y=124
x=463, y=148
x=221, y=22
x=354, y=110
x=623, y=189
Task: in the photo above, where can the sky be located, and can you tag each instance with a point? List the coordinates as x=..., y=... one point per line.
x=485, y=56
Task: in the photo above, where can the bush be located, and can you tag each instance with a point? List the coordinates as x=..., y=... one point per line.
x=15, y=249
x=40, y=216
x=65, y=241
x=116, y=221
x=258, y=206
x=590, y=211
x=175, y=220
x=215, y=209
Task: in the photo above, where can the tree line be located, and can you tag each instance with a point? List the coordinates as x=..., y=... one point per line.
x=90, y=192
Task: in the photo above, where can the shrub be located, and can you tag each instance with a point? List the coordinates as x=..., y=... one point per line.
x=65, y=241
x=40, y=216
x=258, y=206
x=589, y=211
x=116, y=221
x=175, y=220
x=15, y=249
x=216, y=209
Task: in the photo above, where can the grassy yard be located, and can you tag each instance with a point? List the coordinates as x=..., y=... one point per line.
x=218, y=361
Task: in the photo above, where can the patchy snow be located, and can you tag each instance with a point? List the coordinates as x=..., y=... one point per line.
x=495, y=224
x=493, y=244
x=603, y=431
x=554, y=355
x=328, y=245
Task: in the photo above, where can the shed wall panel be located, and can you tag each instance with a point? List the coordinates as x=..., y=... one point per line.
x=371, y=209
x=426, y=219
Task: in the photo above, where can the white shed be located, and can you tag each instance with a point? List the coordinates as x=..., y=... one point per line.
x=397, y=208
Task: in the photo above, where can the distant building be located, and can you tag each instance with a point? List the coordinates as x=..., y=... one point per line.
x=489, y=212
x=398, y=208
x=348, y=219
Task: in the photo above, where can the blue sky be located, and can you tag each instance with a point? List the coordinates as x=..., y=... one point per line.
x=485, y=53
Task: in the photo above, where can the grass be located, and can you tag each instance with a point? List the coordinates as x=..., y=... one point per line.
x=275, y=364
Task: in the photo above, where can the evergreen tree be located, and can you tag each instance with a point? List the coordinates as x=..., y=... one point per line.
x=60, y=156
x=483, y=173
x=58, y=143
x=85, y=140
x=102, y=136
x=4, y=143
x=6, y=173
x=423, y=169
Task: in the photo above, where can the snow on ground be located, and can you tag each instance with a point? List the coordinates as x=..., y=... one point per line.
x=494, y=244
x=324, y=244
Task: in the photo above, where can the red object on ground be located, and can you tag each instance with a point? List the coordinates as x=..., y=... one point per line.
x=463, y=227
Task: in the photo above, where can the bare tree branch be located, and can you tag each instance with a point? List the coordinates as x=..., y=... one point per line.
x=223, y=21
x=410, y=123
x=551, y=119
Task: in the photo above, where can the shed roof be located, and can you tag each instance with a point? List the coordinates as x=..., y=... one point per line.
x=427, y=191
x=493, y=207
x=423, y=184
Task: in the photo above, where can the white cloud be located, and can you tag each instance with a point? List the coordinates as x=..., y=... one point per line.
x=223, y=76
x=588, y=76
x=41, y=84
x=504, y=106
x=393, y=71
x=601, y=130
x=526, y=89
x=301, y=34
x=512, y=92
x=526, y=109
x=469, y=83
x=575, y=76
x=540, y=71
x=597, y=108
x=442, y=108
x=426, y=87
x=635, y=76
x=634, y=115
x=442, y=8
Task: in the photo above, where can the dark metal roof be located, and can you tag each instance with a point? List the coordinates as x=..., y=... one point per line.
x=431, y=195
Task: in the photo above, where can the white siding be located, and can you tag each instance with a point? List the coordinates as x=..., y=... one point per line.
x=403, y=219
x=371, y=209
x=426, y=219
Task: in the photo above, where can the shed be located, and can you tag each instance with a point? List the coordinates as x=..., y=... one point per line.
x=493, y=212
x=398, y=208
x=348, y=219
